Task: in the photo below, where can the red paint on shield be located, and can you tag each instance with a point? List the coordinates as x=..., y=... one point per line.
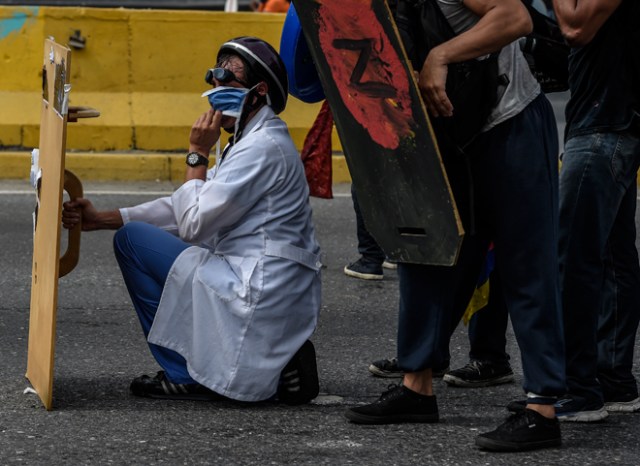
x=375, y=91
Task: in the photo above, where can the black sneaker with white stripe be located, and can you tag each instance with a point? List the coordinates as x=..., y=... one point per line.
x=299, y=379
x=160, y=387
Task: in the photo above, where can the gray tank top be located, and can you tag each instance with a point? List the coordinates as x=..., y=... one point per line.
x=522, y=87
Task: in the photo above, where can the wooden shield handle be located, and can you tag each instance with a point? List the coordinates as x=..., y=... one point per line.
x=69, y=259
x=76, y=113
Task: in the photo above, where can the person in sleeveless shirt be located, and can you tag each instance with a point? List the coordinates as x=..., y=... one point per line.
x=510, y=171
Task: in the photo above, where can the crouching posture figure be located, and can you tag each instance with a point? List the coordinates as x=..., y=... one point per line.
x=225, y=273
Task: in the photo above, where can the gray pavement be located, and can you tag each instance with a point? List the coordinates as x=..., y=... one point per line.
x=100, y=348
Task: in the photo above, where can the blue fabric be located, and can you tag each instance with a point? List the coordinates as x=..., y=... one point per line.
x=228, y=100
x=515, y=204
x=600, y=275
x=304, y=81
x=145, y=255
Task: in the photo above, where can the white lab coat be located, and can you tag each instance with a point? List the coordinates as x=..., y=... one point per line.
x=240, y=302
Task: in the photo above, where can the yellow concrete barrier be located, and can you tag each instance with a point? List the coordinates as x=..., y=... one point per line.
x=125, y=166
x=143, y=69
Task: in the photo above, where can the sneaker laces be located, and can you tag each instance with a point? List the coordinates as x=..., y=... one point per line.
x=473, y=366
x=516, y=421
x=390, y=364
x=392, y=391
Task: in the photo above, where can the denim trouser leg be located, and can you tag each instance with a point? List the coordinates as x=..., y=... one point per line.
x=488, y=327
x=620, y=312
x=367, y=245
x=597, y=217
x=145, y=255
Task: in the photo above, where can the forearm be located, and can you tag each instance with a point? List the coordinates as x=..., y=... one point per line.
x=105, y=220
x=580, y=20
x=501, y=22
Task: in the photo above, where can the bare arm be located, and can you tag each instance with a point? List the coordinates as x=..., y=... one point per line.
x=501, y=22
x=580, y=20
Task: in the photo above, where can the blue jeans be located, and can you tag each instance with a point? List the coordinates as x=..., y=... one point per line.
x=600, y=274
x=145, y=255
x=515, y=204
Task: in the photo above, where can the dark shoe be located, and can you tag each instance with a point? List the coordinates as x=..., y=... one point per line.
x=479, y=374
x=299, y=378
x=570, y=408
x=526, y=430
x=160, y=387
x=388, y=368
x=396, y=405
x=629, y=403
x=517, y=406
x=364, y=270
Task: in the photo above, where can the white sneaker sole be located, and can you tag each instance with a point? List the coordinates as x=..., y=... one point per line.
x=364, y=276
x=584, y=416
x=388, y=375
x=623, y=406
x=458, y=382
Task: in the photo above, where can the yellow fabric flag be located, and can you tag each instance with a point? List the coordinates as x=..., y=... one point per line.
x=479, y=300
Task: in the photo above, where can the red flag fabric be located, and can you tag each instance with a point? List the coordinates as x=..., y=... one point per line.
x=316, y=154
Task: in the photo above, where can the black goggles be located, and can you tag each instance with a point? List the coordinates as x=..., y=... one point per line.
x=222, y=75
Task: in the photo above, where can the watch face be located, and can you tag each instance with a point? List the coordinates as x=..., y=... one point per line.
x=193, y=159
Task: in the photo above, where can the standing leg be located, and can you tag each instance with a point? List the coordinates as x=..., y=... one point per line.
x=520, y=177
x=620, y=311
x=597, y=173
x=369, y=266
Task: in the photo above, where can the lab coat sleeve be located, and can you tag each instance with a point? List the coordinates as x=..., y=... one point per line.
x=245, y=176
x=158, y=212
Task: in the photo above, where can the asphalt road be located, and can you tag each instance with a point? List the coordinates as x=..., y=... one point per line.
x=100, y=348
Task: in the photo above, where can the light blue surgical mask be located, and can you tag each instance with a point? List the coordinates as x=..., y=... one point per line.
x=228, y=100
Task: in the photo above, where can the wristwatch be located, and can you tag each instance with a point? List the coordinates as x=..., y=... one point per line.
x=194, y=159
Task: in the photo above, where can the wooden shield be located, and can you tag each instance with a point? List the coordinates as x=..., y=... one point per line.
x=383, y=125
x=46, y=247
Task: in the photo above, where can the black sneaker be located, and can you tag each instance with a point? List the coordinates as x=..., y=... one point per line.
x=479, y=374
x=570, y=408
x=299, y=378
x=160, y=387
x=388, y=368
x=364, y=269
x=526, y=430
x=396, y=405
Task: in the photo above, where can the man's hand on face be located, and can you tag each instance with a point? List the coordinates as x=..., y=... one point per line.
x=205, y=132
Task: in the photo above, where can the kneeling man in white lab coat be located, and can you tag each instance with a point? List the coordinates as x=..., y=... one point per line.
x=225, y=273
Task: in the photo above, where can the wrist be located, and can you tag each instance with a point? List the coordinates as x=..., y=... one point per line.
x=199, y=149
x=196, y=159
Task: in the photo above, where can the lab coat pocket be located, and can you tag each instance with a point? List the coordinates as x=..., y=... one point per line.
x=233, y=280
